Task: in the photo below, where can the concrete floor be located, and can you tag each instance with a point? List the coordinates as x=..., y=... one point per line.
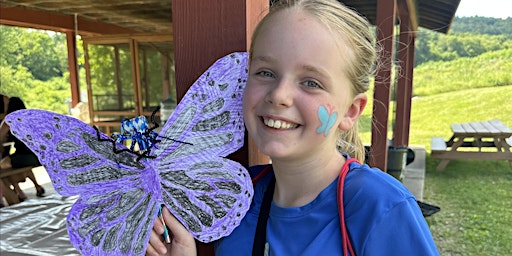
x=415, y=173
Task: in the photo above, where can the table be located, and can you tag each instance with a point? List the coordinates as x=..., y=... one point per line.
x=491, y=135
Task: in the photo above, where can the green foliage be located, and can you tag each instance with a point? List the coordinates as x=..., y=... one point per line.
x=482, y=25
x=432, y=46
x=33, y=66
x=107, y=82
x=49, y=95
x=468, y=37
x=36, y=50
x=13, y=80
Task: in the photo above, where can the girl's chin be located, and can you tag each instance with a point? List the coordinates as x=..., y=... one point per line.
x=275, y=150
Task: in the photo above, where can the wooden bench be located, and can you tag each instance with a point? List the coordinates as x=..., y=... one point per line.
x=438, y=144
x=10, y=195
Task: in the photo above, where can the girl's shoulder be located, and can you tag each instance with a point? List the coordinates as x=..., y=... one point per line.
x=374, y=181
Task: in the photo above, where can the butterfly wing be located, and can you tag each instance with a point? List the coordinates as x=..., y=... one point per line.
x=117, y=206
x=208, y=193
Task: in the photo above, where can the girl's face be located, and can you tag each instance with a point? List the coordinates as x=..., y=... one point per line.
x=297, y=93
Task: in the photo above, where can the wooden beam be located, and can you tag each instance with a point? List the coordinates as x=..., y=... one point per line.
x=412, y=11
x=386, y=16
x=21, y=17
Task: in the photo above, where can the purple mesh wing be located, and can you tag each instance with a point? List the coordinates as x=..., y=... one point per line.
x=114, y=223
x=119, y=197
x=117, y=204
x=208, y=193
x=76, y=161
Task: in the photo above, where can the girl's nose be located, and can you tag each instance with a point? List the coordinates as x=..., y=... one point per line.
x=280, y=94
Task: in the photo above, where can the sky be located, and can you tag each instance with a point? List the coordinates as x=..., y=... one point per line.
x=485, y=8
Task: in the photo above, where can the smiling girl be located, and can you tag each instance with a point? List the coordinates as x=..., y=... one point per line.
x=309, y=69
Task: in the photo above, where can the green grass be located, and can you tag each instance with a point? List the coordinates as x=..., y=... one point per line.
x=475, y=196
x=487, y=70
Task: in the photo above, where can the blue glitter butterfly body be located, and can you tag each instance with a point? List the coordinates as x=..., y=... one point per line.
x=137, y=131
x=120, y=196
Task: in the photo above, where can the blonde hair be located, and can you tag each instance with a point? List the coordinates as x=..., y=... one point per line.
x=355, y=31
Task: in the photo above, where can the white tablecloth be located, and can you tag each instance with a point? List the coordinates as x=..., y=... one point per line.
x=36, y=227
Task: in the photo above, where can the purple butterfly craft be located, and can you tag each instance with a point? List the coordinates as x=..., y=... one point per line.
x=188, y=172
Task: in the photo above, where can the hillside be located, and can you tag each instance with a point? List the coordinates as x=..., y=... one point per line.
x=489, y=69
x=468, y=37
x=461, y=77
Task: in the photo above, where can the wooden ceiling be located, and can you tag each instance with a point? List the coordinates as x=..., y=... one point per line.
x=151, y=16
x=436, y=15
x=155, y=16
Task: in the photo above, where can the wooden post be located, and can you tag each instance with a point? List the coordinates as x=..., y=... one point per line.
x=386, y=10
x=404, y=86
x=205, y=32
x=73, y=68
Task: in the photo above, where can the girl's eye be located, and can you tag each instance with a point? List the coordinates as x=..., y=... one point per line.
x=311, y=84
x=265, y=73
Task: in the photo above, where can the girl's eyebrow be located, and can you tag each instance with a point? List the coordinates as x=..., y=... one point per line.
x=305, y=67
x=266, y=59
x=317, y=71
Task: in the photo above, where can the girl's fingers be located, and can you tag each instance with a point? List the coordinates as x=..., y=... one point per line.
x=182, y=240
x=155, y=245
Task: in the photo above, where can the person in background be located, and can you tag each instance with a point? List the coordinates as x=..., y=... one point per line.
x=309, y=68
x=22, y=157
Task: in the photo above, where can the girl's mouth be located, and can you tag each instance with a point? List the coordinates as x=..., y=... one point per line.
x=279, y=124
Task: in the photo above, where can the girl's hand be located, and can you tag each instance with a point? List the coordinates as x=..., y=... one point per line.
x=182, y=242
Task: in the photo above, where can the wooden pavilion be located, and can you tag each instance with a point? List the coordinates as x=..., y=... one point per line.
x=198, y=32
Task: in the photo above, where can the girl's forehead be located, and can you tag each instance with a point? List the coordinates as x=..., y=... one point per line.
x=300, y=25
x=300, y=34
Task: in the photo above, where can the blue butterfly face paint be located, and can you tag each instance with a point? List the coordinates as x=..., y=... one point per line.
x=187, y=170
x=327, y=120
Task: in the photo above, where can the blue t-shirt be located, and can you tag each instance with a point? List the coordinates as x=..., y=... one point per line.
x=382, y=218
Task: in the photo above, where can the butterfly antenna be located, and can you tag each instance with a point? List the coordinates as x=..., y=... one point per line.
x=98, y=134
x=153, y=119
x=156, y=126
x=179, y=141
x=144, y=155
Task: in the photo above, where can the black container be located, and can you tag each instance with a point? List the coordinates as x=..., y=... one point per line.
x=397, y=160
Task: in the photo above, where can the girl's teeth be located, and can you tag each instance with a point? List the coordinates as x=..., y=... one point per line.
x=277, y=124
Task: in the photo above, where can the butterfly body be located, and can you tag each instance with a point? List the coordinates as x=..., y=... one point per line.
x=120, y=194
x=138, y=131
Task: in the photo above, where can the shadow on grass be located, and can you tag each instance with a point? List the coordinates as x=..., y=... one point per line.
x=475, y=197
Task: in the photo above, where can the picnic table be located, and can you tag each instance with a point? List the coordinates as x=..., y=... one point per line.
x=469, y=139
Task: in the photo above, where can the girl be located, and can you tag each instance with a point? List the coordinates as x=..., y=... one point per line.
x=310, y=64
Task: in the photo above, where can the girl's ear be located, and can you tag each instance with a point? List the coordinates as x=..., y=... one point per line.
x=354, y=111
